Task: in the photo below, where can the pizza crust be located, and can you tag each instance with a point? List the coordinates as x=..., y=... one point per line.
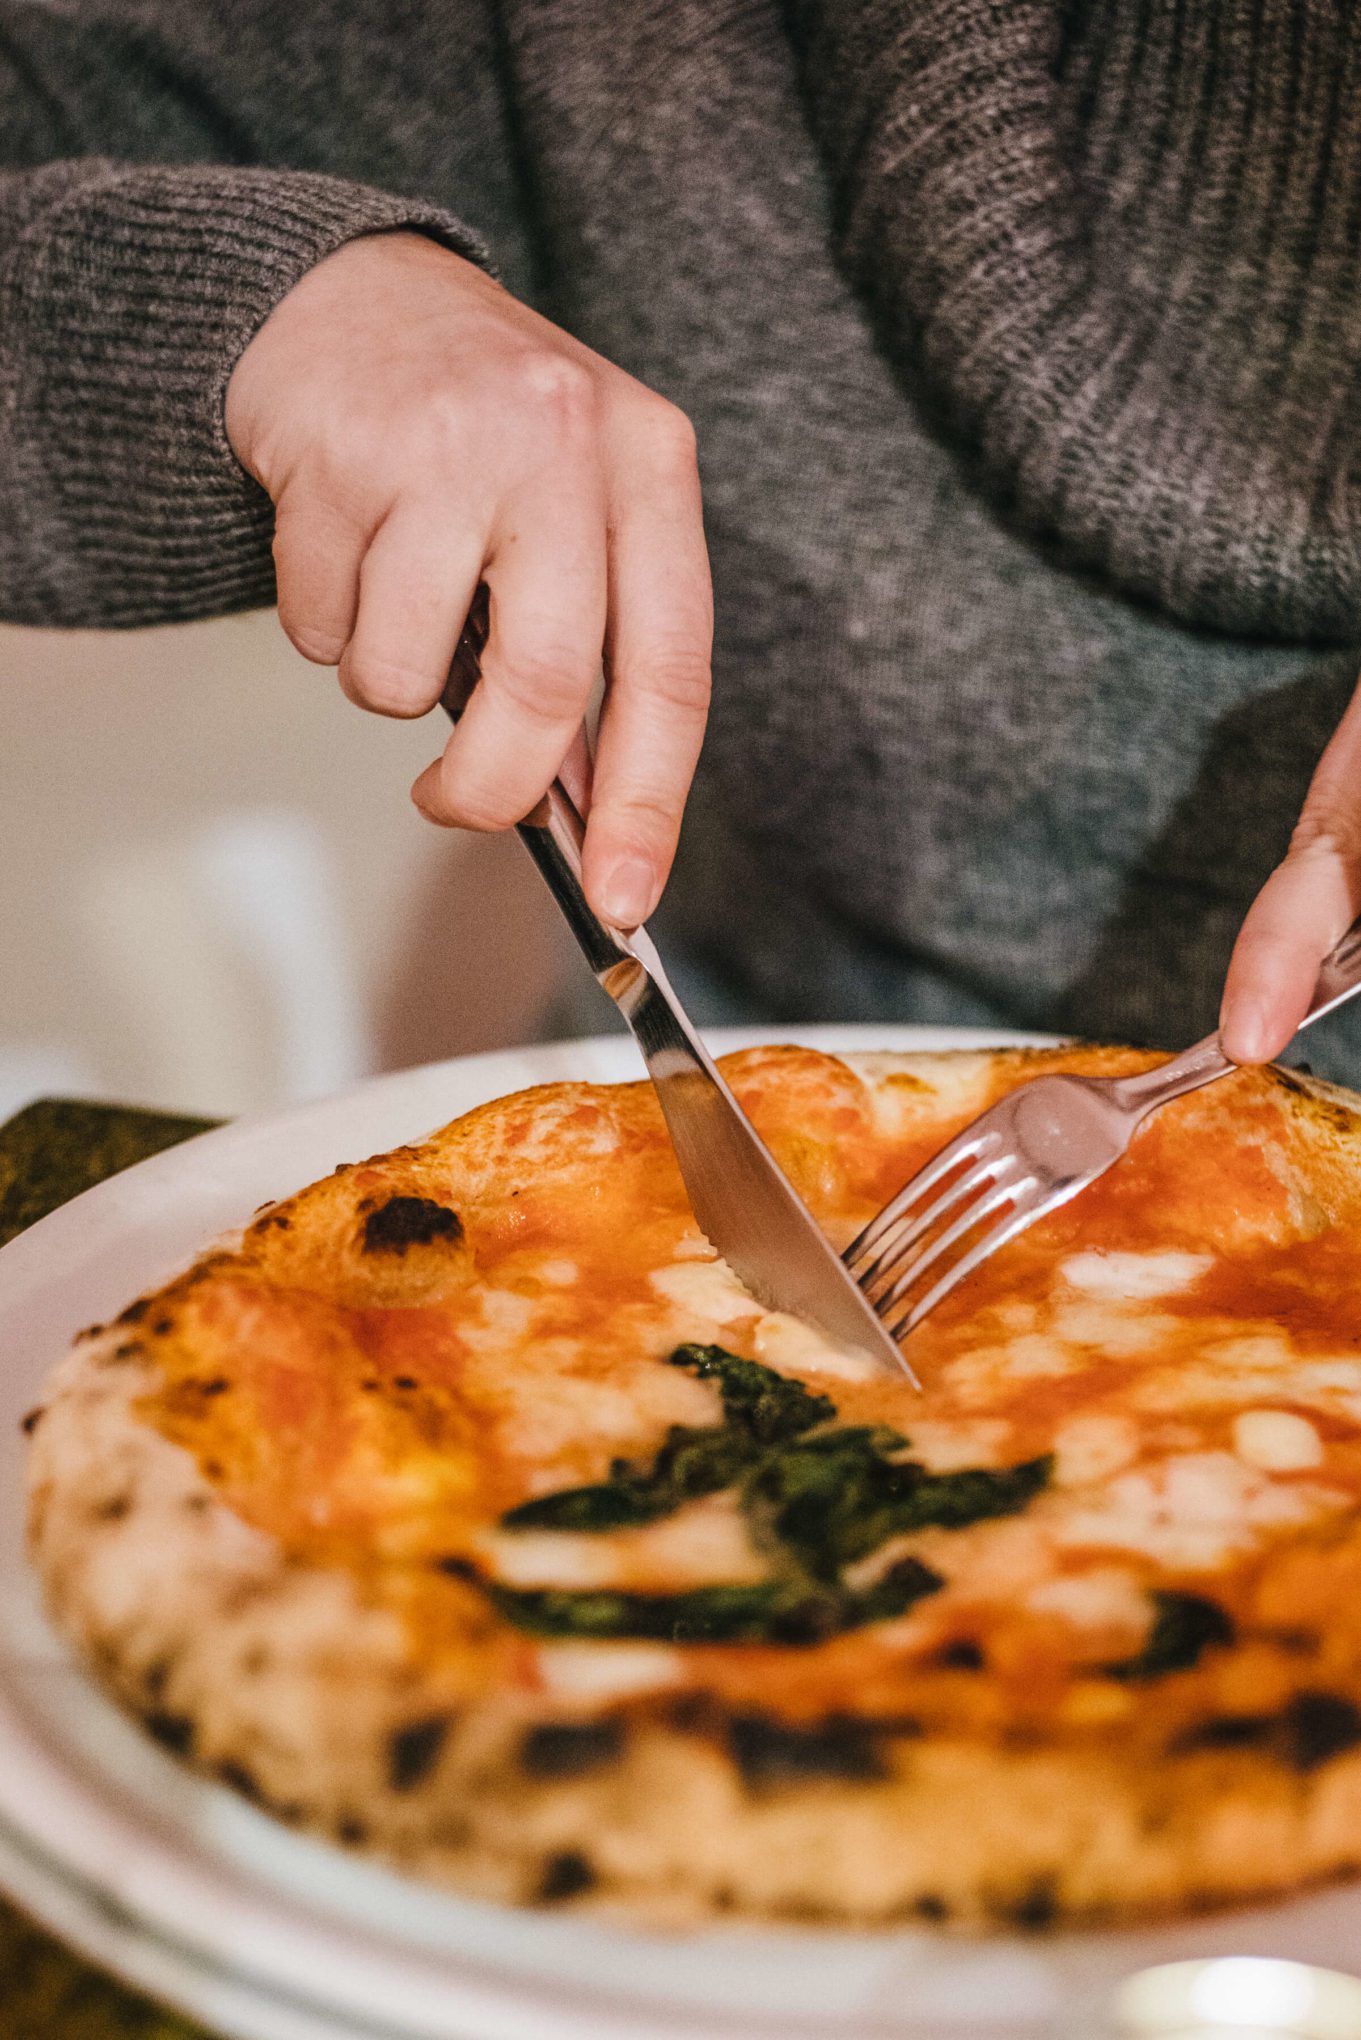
x=600, y=1782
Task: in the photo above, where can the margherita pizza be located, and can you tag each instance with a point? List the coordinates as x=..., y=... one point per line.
x=469, y=1511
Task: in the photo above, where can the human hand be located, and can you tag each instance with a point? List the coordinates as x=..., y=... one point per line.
x=1305, y=907
x=419, y=430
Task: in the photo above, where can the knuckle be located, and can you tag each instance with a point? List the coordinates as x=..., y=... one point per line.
x=678, y=678
x=645, y=817
x=1326, y=834
x=548, y=683
x=674, y=447
x=561, y=389
x=477, y=807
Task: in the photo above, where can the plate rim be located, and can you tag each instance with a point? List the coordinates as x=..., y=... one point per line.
x=501, y=2005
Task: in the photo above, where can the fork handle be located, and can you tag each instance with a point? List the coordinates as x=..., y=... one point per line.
x=1339, y=979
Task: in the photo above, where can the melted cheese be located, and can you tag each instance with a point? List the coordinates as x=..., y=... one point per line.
x=1277, y=1441
x=1194, y=1511
x=1133, y=1277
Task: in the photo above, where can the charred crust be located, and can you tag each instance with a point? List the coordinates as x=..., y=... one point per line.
x=242, y=1780
x=414, y=1751
x=29, y=1424
x=129, y=1350
x=112, y=1509
x=569, y=1749
x=694, y=1714
x=1316, y=1727
x=352, y=1831
x=405, y=1381
x=565, y=1875
x=961, y=1654
x=456, y=1567
x=91, y=1332
x=154, y=1678
x=174, y=1732
x=769, y=1752
x=162, y=1326
x=403, y=1222
x=135, y=1312
x=1226, y=1732
x=1308, y=1733
x=929, y=1905
x=1035, y=1909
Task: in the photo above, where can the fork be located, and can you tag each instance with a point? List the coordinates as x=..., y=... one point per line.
x=1027, y=1155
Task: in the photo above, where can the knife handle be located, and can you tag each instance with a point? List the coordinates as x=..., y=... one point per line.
x=553, y=832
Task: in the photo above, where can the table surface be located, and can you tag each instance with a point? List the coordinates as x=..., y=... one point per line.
x=49, y=1153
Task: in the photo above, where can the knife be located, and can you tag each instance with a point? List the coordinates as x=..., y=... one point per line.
x=743, y=1200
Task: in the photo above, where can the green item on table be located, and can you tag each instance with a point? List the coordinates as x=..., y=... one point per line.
x=48, y=1154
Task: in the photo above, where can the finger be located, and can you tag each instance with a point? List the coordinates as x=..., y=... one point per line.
x=546, y=575
x=658, y=642
x=415, y=584
x=316, y=565
x=1305, y=907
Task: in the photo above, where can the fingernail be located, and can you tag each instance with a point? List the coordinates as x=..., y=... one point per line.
x=1249, y=1035
x=626, y=895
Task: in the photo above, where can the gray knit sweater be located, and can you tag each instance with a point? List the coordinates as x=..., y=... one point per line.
x=1022, y=340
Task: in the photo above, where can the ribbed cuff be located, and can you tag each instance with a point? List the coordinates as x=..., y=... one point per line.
x=126, y=298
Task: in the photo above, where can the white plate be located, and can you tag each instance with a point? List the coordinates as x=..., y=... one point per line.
x=184, y=1889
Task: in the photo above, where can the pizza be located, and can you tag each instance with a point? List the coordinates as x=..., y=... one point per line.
x=468, y=1511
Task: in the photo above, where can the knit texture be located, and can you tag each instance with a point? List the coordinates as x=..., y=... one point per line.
x=1124, y=244
x=126, y=301
x=1021, y=340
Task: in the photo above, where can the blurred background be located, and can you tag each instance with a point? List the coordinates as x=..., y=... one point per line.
x=215, y=895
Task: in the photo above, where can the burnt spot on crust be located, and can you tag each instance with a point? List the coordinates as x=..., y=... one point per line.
x=961, y=1654
x=414, y=1751
x=242, y=1780
x=135, y=1312
x=404, y=1222
x=1317, y=1727
x=1184, y=1627
x=352, y=1831
x=1308, y=1733
x=175, y=1732
x=162, y=1326
x=29, y=1424
x=154, y=1678
x=565, y=1875
x=112, y=1509
x=1227, y=1732
x=567, y=1749
x=929, y=1905
x=91, y=1332
x=769, y=1752
x=1035, y=1909
x=405, y=1381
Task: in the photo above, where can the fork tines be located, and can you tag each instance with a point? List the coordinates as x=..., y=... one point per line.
x=975, y=1179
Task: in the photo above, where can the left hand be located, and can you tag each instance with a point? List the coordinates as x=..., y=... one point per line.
x=1307, y=905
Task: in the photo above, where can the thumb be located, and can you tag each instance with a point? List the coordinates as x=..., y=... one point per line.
x=1305, y=907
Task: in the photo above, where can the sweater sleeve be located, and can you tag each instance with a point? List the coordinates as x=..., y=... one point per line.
x=127, y=293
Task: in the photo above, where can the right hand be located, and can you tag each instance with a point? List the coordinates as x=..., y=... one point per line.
x=419, y=430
